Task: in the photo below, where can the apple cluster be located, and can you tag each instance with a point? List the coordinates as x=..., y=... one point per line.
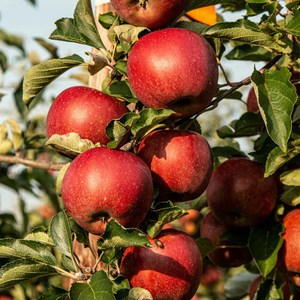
x=103, y=183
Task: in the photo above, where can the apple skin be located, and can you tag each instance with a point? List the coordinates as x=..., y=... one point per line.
x=102, y=183
x=288, y=261
x=239, y=195
x=173, y=68
x=224, y=257
x=180, y=162
x=251, y=102
x=170, y=270
x=153, y=14
x=83, y=110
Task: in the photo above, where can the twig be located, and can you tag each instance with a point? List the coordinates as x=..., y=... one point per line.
x=31, y=163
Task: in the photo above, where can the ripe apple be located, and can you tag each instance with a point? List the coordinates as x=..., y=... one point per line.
x=83, y=110
x=239, y=195
x=149, y=13
x=173, y=68
x=288, y=260
x=180, y=162
x=226, y=253
x=102, y=183
x=252, y=104
x=171, y=269
x=5, y=297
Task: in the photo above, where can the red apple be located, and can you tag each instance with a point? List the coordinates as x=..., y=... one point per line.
x=252, y=104
x=173, y=68
x=226, y=253
x=180, y=162
x=171, y=269
x=5, y=297
x=85, y=111
x=149, y=13
x=102, y=183
x=288, y=260
x=239, y=195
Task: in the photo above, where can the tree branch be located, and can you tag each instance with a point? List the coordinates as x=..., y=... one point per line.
x=31, y=163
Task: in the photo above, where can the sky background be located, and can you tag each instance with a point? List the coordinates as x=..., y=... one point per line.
x=29, y=21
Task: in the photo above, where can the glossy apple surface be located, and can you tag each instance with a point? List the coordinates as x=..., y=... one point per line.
x=102, y=183
x=85, y=111
x=173, y=68
x=226, y=253
x=239, y=195
x=149, y=13
x=180, y=162
x=288, y=259
x=171, y=269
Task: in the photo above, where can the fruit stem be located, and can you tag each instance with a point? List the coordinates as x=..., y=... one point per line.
x=143, y=3
x=65, y=273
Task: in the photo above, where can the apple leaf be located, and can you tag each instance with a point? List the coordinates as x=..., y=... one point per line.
x=82, y=29
x=148, y=118
x=291, y=195
x=70, y=144
x=27, y=249
x=99, y=287
x=269, y=290
x=3, y=62
x=277, y=158
x=55, y=293
x=121, y=287
x=202, y=3
x=42, y=74
x=22, y=270
x=264, y=243
x=129, y=34
x=248, y=125
x=98, y=62
x=249, y=52
x=117, y=236
x=248, y=33
x=107, y=19
x=163, y=213
x=227, y=151
x=292, y=23
x=276, y=99
x=291, y=178
x=60, y=232
x=138, y=293
x=205, y=245
x=39, y=234
x=16, y=132
x=59, y=179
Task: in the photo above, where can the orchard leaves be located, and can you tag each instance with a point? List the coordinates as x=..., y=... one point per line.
x=276, y=99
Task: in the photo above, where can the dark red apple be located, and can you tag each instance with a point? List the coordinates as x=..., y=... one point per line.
x=288, y=260
x=173, y=68
x=252, y=104
x=180, y=162
x=226, y=253
x=102, y=183
x=149, y=13
x=85, y=111
x=171, y=269
x=239, y=195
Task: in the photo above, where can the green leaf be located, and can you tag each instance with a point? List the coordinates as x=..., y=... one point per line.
x=276, y=98
x=246, y=32
x=128, y=34
x=248, y=125
x=227, y=151
x=12, y=40
x=42, y=74
x=55, y=293
x=107, y=19
x=138, y=293
x=99, y=287
x=249, y=52
x=70, y=144
x=194, y=26
x=277, y=158
x=161, y=214
x=204, y=245
x=117, y=236
x=82, y=29
x=39, y=234
x=291, y=195
x=59, y=179
x=264, y=243
x=27, y=249
x=3, y=61
x=291, y=177
x=269, y=290
x=148, y=118
x=292, y=23
x=60, y=232
x=16, y=132
x=200, y=3
x=19, y=271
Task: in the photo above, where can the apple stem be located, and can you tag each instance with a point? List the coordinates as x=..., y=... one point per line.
x=143, y=3
x=97, y=262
